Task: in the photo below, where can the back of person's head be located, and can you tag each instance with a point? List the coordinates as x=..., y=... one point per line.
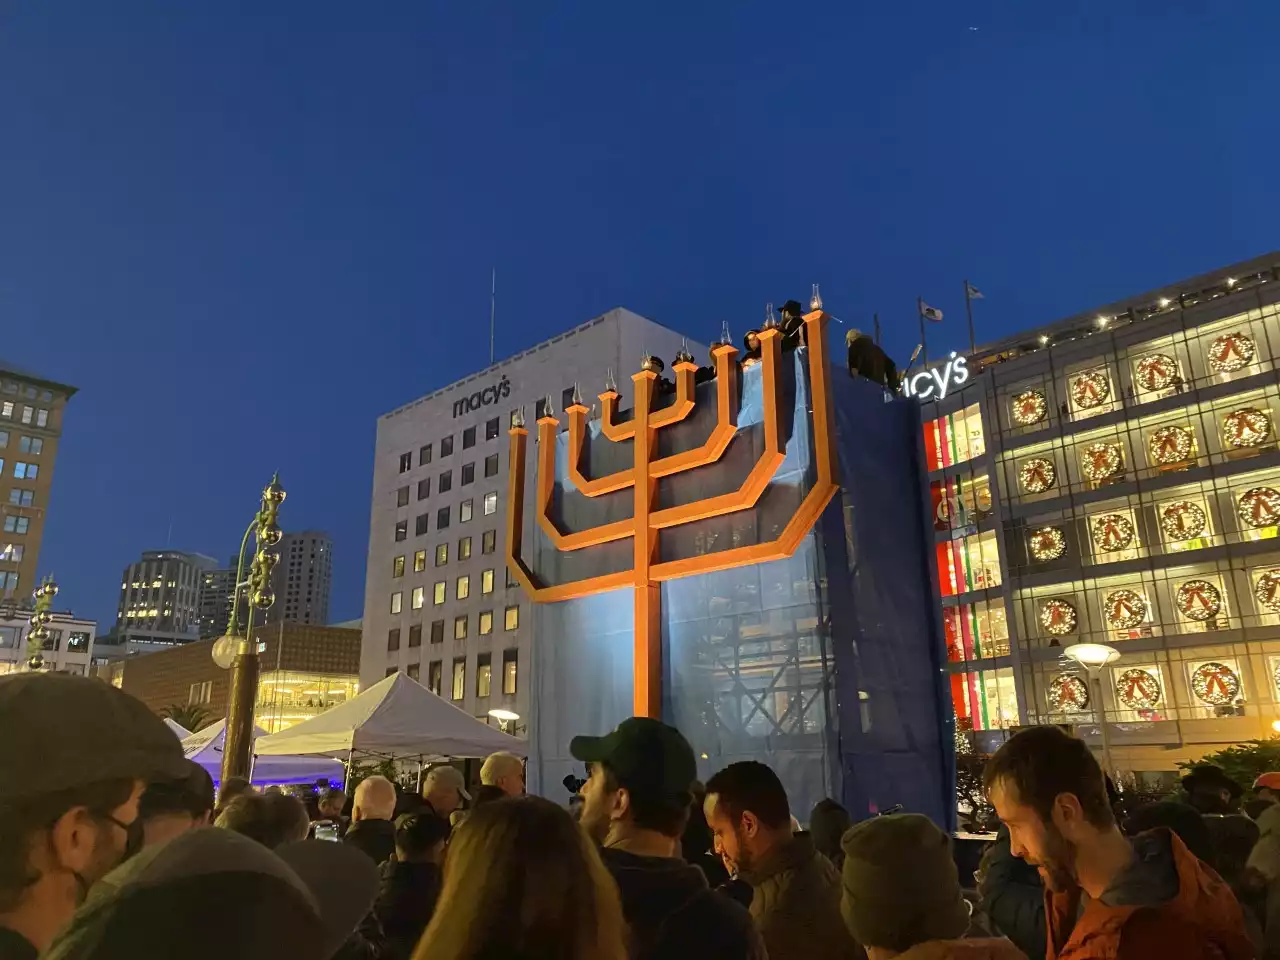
x=751, y=787
x=331, y=802
x=827, y=825
x=1038, y=765
x=231, y=788
x=504, y=770
x=1181, y=818
x=270, y=818
x=522, y=880
x=900, y=883
x=190, y=796
x=375, y=799
x=419, y=837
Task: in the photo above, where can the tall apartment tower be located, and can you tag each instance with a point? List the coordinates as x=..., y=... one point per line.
x=30, y=427
x=302, y=578
x=215, y=601
x=160, y=599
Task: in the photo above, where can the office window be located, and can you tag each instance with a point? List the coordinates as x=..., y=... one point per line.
x=540, y=409
x=27, y=414
x=490, y=503
x=21, y=498
x=511, y=578
x=78, y=642
x=465, y=509
x=511, y=618
x=446, y=482
x=419, y=561
x=12, y=552
x=416, y=599
x=468, y=473
x=459, y=678
x=42, y=418
x=486, y=581
x=484, y=671
x=460, y=627
x=485, y=623
x=412, y=670
x=397, y=599
x=29, y=393
x=397, y=567
x=420, y=524
x=468, y=438
x=433, y=677
x=406, y=462
x=402, y=530
x=464, y=548
x=439, y=591
x=491, y=465
x=566, y=398
x=200, y=692
x=442, y=518
x=510, y=659
x=489, y=541
x=25, y=471
x=437, y=631
x=391, y=671
x=4, y=438
x=402, y=497
x=442, y=554
x=424, y=488
x=6, y=410
x=463, y=587
x=29, y=444
x=424, y=455
x=415, y=635
x=393, y=639
x=491, y=429
x=15, y=524
x=446, y=446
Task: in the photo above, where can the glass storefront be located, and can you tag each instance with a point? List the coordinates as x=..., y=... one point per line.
x=287, y=697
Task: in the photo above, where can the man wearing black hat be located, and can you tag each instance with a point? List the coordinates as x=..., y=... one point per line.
x=636, y=803
x=792, y=324
x=72, y=770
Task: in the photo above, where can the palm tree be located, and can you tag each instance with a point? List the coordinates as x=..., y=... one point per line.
x=190, y=715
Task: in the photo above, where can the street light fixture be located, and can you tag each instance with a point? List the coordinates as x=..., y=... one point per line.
x=245, y=664
x=1093, y=657
x=506, y=719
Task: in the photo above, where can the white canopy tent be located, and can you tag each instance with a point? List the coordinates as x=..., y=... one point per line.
x=396, y=717
x=178, y=729
x=205, y=748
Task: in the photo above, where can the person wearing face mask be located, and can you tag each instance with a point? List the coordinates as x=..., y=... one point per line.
x=72, y=770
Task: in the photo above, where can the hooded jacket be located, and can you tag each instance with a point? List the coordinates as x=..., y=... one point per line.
x=1167, y=903
x=1013, y=897
x=406, y=900
x=673, y=914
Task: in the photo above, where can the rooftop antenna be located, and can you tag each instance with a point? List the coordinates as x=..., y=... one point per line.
x=493, y=309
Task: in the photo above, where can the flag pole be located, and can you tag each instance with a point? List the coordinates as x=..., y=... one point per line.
x=876, y=318
x=968, y=308
x=924, y=347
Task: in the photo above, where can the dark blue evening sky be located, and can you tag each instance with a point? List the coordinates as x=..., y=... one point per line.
x=246, y=229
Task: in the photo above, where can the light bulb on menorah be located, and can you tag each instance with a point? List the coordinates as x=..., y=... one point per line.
x=647, y=570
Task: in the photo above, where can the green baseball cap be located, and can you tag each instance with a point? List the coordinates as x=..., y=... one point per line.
x=643, y=753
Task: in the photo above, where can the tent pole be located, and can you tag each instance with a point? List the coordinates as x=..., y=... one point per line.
x=346, y=781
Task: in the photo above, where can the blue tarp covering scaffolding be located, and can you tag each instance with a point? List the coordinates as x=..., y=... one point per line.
x=826, y=665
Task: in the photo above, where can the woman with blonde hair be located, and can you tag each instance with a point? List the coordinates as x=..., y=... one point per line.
x=522, y=881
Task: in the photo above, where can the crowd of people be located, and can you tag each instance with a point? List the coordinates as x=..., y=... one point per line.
x=112, y=845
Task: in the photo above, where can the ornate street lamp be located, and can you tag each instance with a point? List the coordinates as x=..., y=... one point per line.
x=1093, y=657
x=39, y=622
x=242, y=648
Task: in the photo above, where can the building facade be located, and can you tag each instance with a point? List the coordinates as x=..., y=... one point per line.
x=216, y=590
x=69, y=648
x=439, y=601
x=305, y=671
x=31, y=409
x=160, y=600
x=302, y=578
x=1115, y=478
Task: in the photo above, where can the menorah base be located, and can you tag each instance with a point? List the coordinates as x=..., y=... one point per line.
x=648, y=651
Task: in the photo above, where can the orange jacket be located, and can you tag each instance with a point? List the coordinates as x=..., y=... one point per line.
x=1201, y=922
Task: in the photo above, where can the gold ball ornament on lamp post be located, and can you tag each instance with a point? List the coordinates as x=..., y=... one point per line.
x=38, y=634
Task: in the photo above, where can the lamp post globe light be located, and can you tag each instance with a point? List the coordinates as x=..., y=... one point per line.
x=1093, y=657
x=239, y=644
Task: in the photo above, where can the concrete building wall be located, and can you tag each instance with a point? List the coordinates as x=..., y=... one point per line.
x=160, y=597
x=69, y=648
x=401, y=613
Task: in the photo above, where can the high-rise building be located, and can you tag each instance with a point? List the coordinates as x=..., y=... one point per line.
x=160, y=600
x=439, y=601
x=1114, y=478
x=30, y=428
x=302, y=578
x=216, y=589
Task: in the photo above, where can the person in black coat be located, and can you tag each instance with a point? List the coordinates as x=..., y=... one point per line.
x=866, y=359
x=411, y=881
x=371, y=827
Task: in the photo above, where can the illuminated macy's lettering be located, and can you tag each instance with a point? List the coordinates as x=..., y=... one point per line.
x=933, y=384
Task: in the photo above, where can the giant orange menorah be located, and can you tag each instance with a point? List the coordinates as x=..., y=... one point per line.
x=646, y=572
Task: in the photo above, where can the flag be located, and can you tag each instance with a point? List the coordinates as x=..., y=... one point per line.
x=930, y=313
x=972, y=292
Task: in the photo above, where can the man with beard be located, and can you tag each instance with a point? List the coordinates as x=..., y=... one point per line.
x=73, y=766
x=795, y=900
x=1105, y=894
x=635, y=804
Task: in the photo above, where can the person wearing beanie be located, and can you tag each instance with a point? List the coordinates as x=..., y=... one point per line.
x=901, y=893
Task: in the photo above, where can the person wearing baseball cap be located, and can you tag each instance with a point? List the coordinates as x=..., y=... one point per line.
x=1267, y=786
x=73, y=767
x=444, y=790
x=635, y=804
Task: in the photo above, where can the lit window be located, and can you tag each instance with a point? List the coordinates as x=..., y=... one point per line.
x=465, y=509
x=511, y=619
x=484, y=674
x=489, y=541
x=486, y=623
x=460, y=627
x=510, y=658
x=6, y=410
x=419, y=594
x=397, y=599
x=490, y=503
x=459, y=678
x=486, y=581
x=464, y=548
x=397, y=567
x=463, y=587
x=438, y=592
x=442, y=554
x=419, y=561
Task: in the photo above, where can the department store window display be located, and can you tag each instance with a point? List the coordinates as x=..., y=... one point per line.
x=1139, y=692
x=1126, y=611
x=1173, y=445
x=975, y=631
x=1156, y=373
x=1068, y=693
x=1266, y=592
x=1199, y=601
x=1246, y=428
x=1114, y=536
x=1029, y=408
x=954, y=438
x=1091, y=390
x=1259, y=511
x=985, y=699
x=960, y=502
x=1217, y=689
x=1058, y=617
x=1184, y=523
x=969, y=563
x=1037, y=475
x=1102, y=462
x=1273, y=667
x=1231, y=352
x=1046, y=544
